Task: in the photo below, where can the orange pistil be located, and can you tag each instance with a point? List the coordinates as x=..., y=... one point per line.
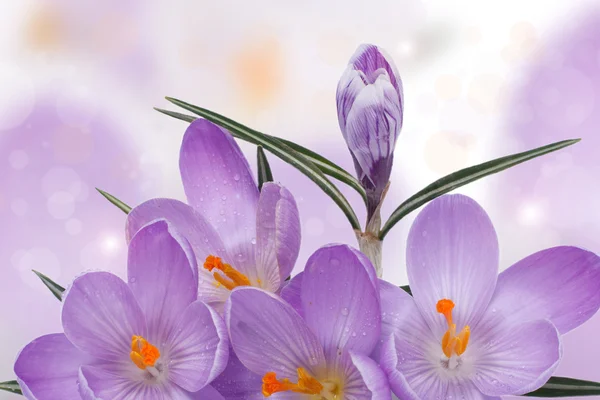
x=143, y=354
x=306, y=384
x=236, y=278
x=451, y=342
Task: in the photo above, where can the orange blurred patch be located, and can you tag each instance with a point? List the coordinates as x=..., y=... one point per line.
x=257, y=71
x=44, y=31
x=72, y=145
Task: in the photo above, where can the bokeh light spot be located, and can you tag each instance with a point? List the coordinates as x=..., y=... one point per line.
x=448, y=87
x=19, y=207
x=530, y=214
x=73, y=226
x=485, y=93
x=76, y=106
x=66, y=180
x=18, y=159
x=16, y=97
x=314, y=226
x=61, y=205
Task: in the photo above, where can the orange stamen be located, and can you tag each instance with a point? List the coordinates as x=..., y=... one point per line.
x=306, y=384
x=143, y=354
x=236, y=278
x=451, y=342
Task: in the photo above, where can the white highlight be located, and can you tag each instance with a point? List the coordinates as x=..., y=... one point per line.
x=110, y=244
x=405, y=48
x=530, y=214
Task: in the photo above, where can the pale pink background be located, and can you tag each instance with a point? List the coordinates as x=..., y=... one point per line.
x=79, y=78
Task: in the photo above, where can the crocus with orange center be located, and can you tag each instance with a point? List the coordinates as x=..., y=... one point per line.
x=314, y=342
x=469, y=333
x=146, y=339
x=240, y=236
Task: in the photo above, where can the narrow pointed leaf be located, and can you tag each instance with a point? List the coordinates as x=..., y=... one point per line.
x=464, y=176
x=264, y=169
x=559, y=386
x=406, y=288
x=11, y=386
x=122, y=206
x=326, y=166
x=281, y=150
x=54, y=287
x=183, y=117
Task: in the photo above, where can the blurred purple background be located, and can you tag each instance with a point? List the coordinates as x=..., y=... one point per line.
x=79, y=79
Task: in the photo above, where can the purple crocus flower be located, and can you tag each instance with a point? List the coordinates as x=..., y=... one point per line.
x=370, y=103
x=322, y=352
x=146, y=339
x=241, y=237
x=468, y=333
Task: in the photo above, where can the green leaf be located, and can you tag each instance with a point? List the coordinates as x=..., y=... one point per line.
x=264, y=169
x=559, y=386
x=406, y=288
x=464, y=176
x=11, y=386
x=326, y=166
x=183, y=117
x=122, y=206
x=278, y=148
x=54, y=287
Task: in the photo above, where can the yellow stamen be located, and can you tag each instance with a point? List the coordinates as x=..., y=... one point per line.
x=236, y=278
x=143, y=354
x=306, y=384
x=451, y=342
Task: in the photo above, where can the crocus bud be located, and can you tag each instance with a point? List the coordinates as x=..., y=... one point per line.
x=369, y=104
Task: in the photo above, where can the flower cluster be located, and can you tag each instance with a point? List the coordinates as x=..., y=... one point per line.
x=209, y=311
